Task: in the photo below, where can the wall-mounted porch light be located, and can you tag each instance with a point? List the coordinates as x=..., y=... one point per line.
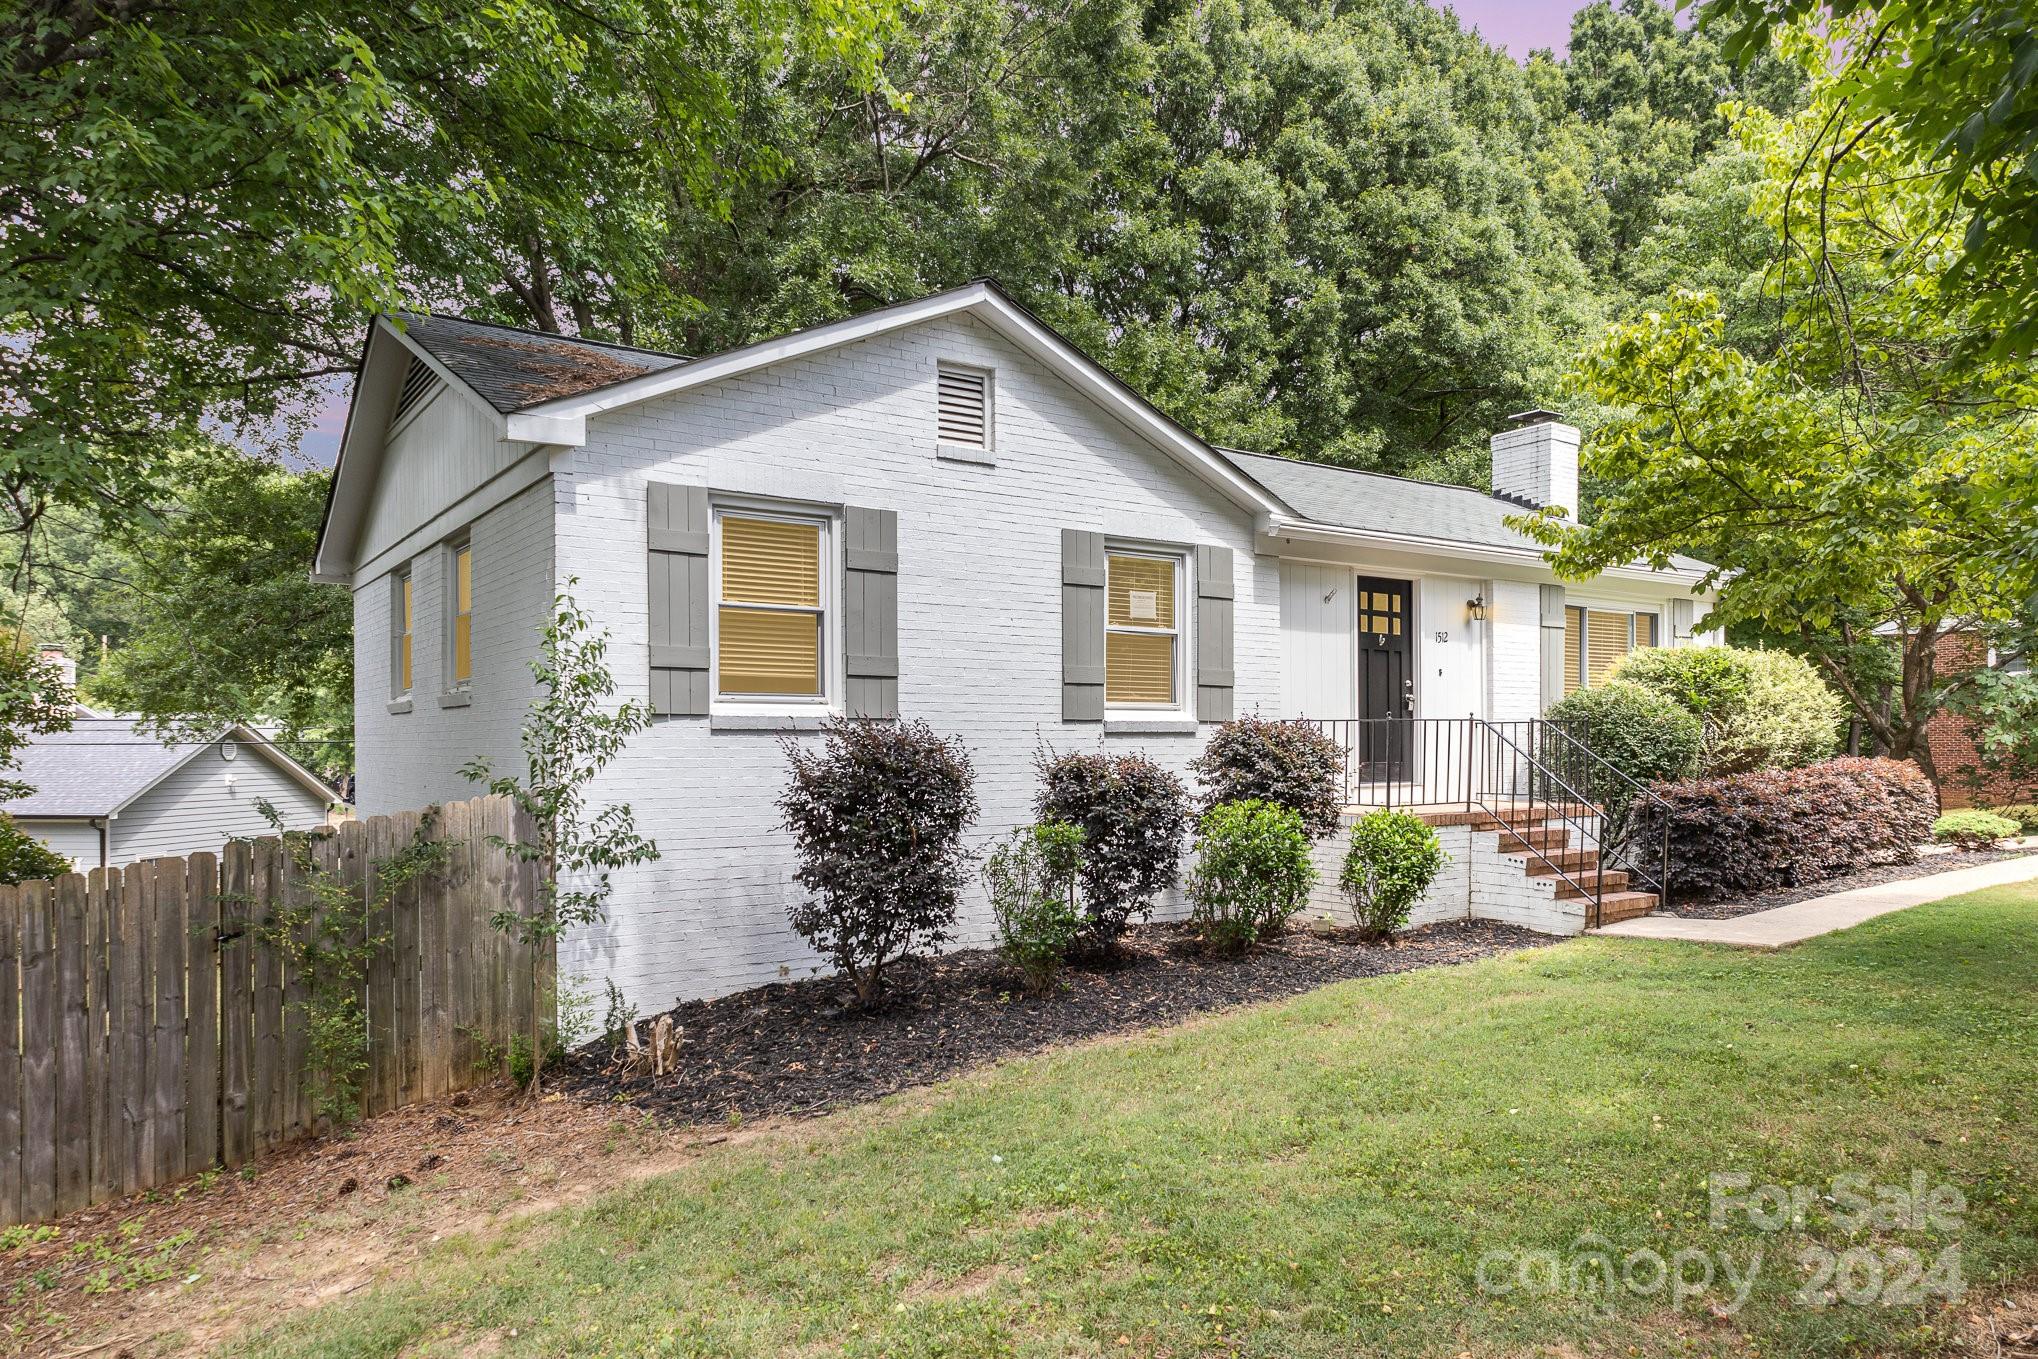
x=1475, y=608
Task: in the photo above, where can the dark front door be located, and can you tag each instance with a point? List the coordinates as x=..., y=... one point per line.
x=1386, y=678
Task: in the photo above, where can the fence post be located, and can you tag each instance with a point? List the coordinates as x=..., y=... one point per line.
x=11, y=1210
x=73, y=1113
x=201, y=1118
x=38, y=1054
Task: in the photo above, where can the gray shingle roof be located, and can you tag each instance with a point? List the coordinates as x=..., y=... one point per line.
x=91, y=770
x=512, y=368
x=1348, y=498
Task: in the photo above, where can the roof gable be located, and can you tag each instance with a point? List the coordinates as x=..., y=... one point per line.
x=514, y=369
x=102, y=764
x=543, y=388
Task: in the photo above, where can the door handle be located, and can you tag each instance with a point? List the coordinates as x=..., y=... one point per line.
x=1408, y=696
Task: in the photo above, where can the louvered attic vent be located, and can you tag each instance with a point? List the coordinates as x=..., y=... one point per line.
x=965, y=396
x=418, y=382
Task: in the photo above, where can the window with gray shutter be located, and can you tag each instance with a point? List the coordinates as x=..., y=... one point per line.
x=964, y=399
x=870, y=611
x=677, y=541
x=1082, y=626
x=1214, y=610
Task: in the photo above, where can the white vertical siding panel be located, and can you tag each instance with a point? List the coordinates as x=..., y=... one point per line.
x=1317, y=620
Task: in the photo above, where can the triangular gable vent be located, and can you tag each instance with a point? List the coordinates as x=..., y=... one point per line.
x=418, y=383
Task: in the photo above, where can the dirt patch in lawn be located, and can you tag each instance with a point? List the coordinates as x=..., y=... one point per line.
x=802, y=1048
x=179, y=1270
x=1925, y=866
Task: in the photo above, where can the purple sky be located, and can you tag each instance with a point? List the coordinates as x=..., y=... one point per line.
x=1518, y=26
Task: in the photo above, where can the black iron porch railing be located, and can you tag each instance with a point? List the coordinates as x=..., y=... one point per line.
x=1529, y=777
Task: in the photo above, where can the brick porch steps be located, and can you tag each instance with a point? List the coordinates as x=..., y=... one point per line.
x=1611, y=882
x=1615, y=907
x=1569, y=860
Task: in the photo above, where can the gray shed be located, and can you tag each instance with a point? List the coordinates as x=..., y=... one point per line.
x=106, y=794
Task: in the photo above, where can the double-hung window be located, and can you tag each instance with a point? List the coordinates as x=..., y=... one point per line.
x=771, y=607
x=1142, y=630
x=401, y=617
x=460, y=640
x=1596, y=640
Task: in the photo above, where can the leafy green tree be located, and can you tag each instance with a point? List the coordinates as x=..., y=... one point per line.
x=224, y=623
x=34, y=701
x=1298, y=228
x=1853, y=480
x=205, y=201
x=1633, y=108
x=570, y=734
x=1958, y=83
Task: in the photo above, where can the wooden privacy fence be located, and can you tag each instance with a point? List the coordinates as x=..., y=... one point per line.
x=147, y=1034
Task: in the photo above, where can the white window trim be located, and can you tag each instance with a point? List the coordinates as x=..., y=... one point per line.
x=833, y=680
x=1184, y=705
x=398, y=690
x=449, y=576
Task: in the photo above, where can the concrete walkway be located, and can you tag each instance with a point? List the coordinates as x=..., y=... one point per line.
x=1823, y=915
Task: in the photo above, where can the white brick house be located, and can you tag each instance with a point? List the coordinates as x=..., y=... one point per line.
x=941, y=510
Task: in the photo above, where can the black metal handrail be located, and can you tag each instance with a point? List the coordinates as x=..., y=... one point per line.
x=1619, y=822
x=1570, y=812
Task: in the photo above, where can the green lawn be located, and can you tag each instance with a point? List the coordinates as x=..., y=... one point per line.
x=1321, y=1176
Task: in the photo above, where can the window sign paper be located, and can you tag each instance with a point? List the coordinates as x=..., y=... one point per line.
x=1143, y=605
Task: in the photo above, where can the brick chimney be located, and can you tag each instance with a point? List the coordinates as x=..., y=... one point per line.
x=1536, y=462
x=53, y=654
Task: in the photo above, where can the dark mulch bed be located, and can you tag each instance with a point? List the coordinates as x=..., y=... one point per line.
x=798, y=1048
x=1926, y=865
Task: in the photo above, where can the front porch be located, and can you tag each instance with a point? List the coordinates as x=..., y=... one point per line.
x=1522, y=809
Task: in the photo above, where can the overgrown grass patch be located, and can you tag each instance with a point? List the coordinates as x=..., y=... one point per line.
x=1323, y=1176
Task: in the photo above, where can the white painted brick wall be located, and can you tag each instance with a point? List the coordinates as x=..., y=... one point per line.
x=407, y=760
x=980, y=617
x=1514, y=658
x=1480, y=883
x=1448, y=898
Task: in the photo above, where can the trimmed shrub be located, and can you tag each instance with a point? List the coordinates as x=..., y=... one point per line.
x=23, y=858
x=1636, y=730
x=1973, y=829
x=1252, y=873
x=2024, y=814
x=1290, y=764
x=1133, y=814
x=877, y=817
x=1394, y=857
x=1756, y=709
x=1788, y=827
x=1031, y=878
x=1706, y=681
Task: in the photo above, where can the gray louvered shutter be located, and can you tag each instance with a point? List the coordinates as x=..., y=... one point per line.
x=1553, y=643
x=1680, y=622
x=870, y=611
x=1213, y=634
x=677, y=540
x=1082, y=626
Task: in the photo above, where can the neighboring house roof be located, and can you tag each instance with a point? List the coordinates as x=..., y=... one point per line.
x=510, y=364
x=512, y=369
x=102, y=764
x=1377, y=503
